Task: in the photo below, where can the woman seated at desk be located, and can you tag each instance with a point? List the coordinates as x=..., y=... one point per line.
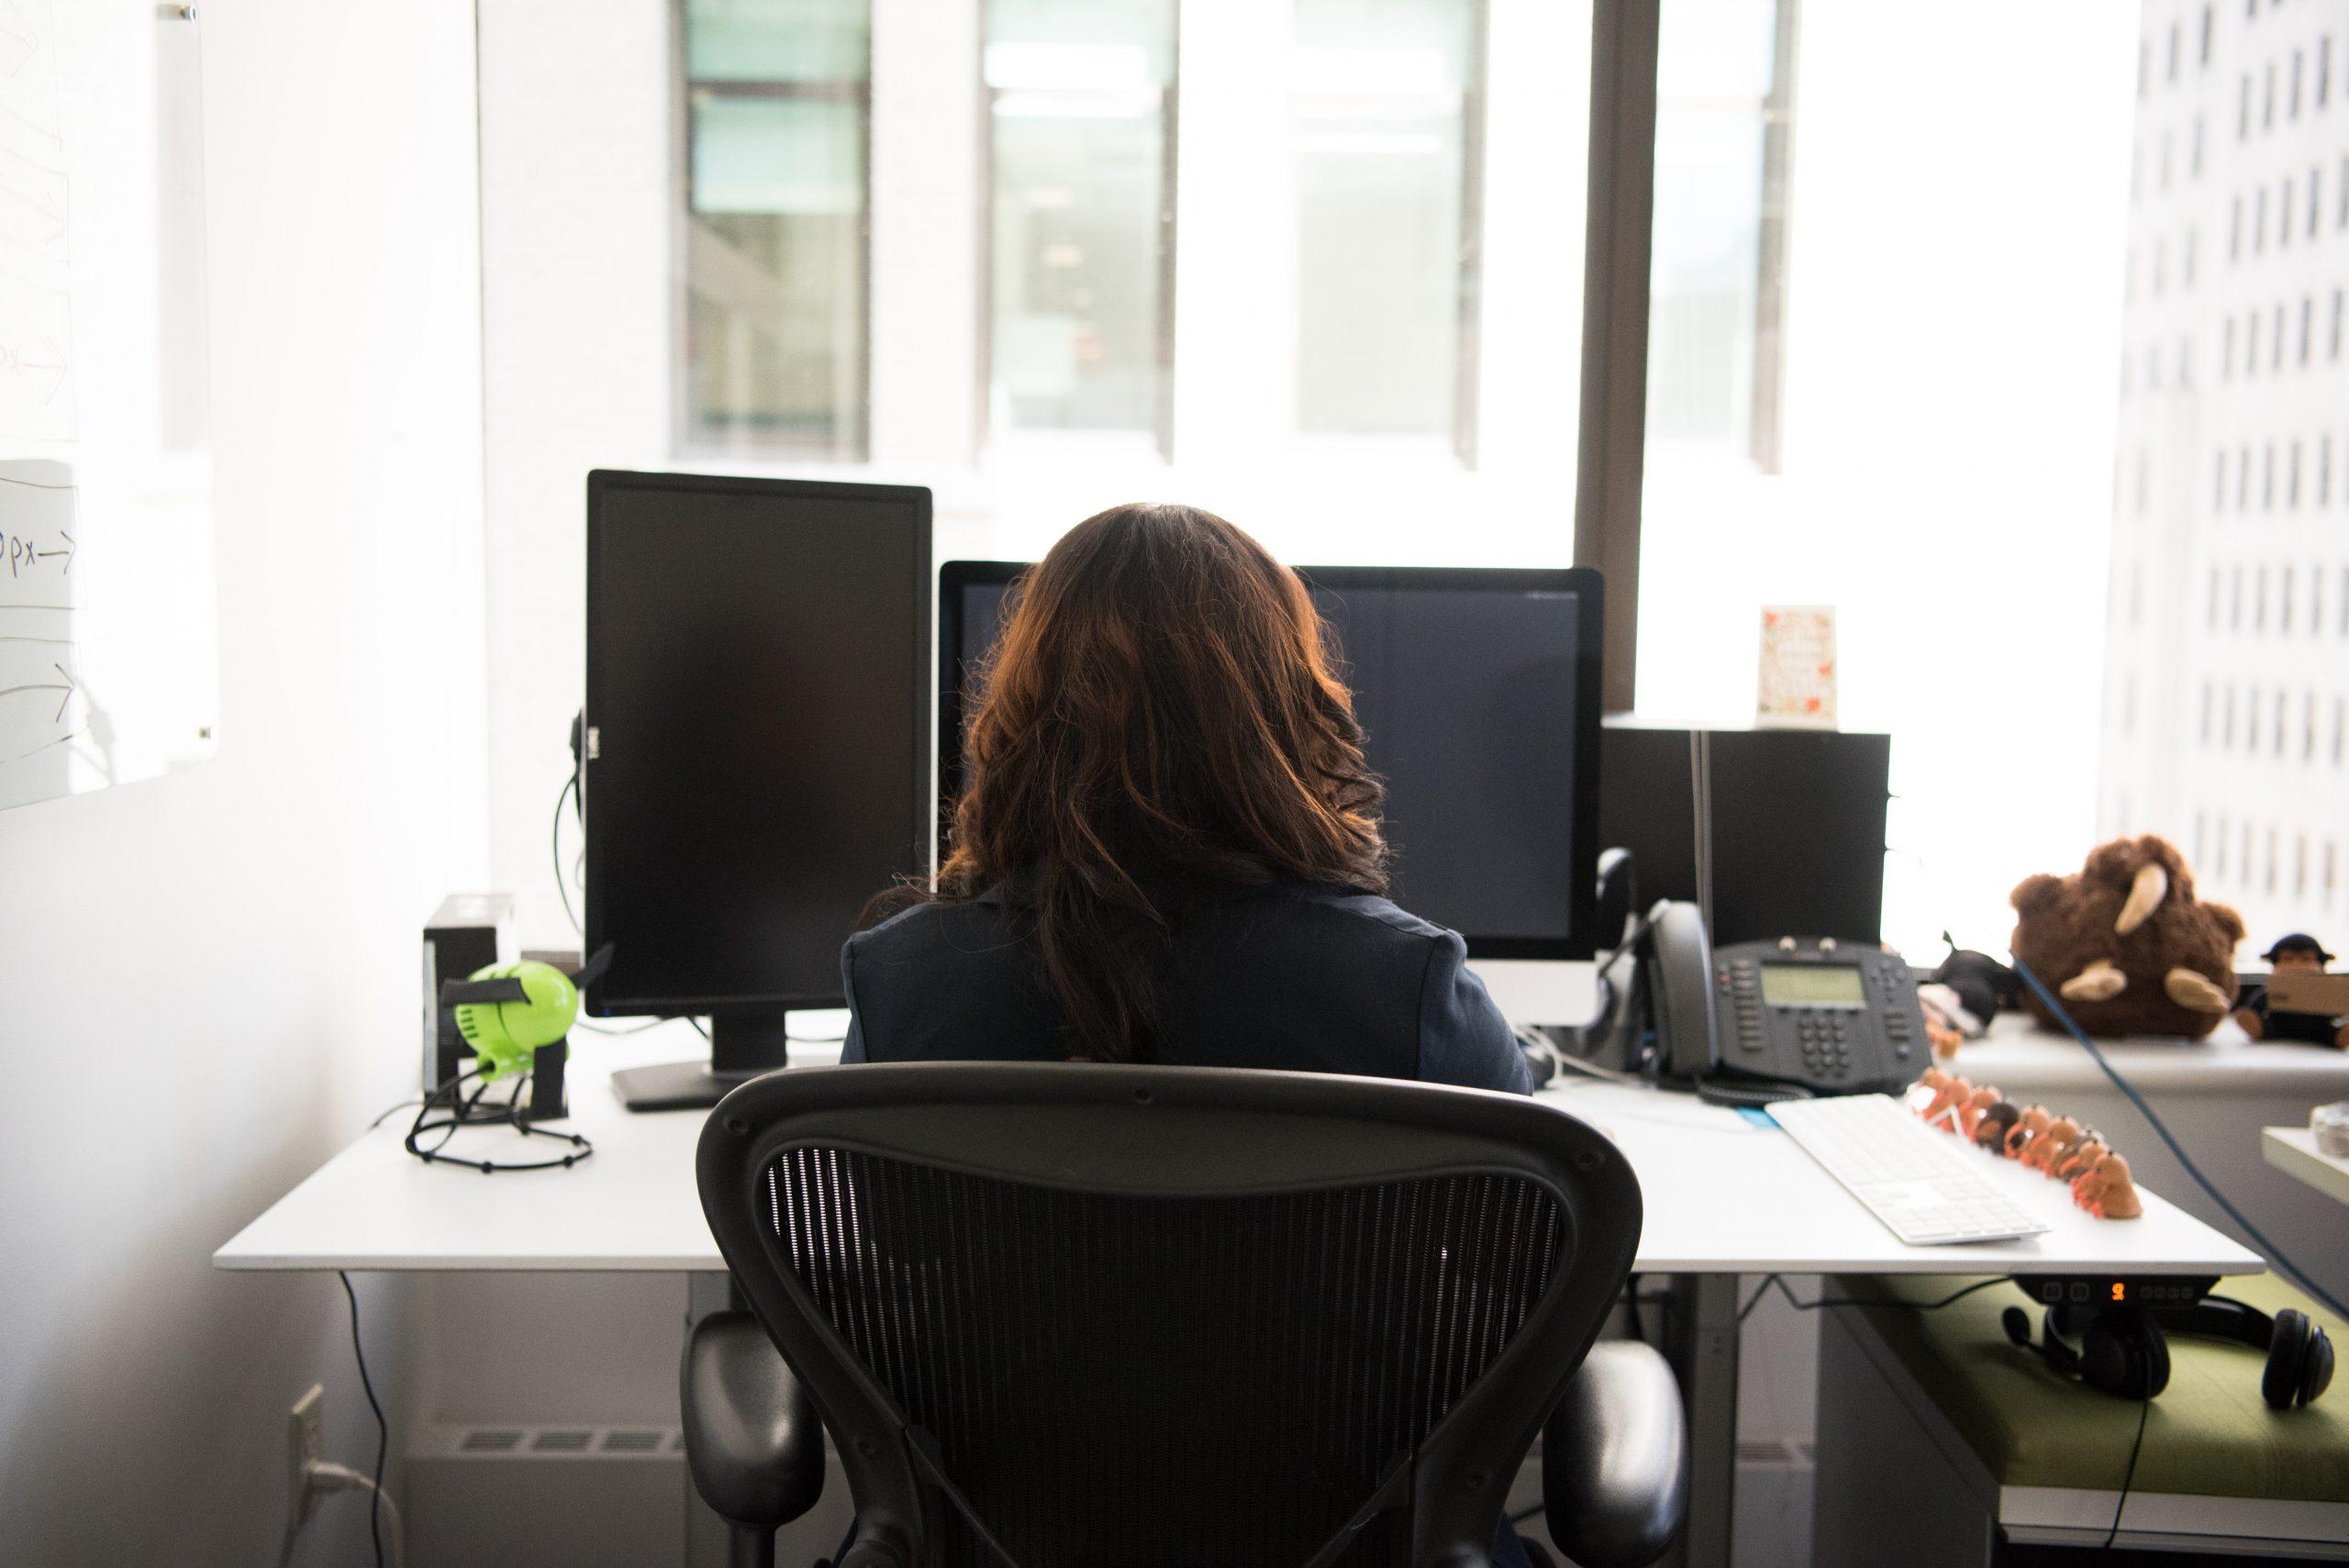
x=1167, y=847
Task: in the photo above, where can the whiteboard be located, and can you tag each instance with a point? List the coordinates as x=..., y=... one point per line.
x=109, y=664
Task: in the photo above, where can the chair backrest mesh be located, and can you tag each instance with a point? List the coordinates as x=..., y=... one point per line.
x=1162, y=1380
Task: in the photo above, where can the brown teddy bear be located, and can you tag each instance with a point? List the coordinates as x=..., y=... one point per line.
x=2127, y=945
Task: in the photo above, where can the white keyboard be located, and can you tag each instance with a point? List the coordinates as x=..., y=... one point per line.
x=1911, y=1177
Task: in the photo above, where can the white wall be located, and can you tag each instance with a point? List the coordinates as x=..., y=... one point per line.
x=212, y=976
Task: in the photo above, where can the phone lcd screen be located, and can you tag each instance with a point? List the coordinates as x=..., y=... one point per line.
x=1811, y=986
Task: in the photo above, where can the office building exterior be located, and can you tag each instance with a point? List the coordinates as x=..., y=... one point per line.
x=2226, y=690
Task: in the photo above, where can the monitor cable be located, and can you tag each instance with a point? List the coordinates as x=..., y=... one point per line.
x=2275, y=1255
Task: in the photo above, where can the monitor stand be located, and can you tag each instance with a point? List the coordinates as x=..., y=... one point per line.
x=742, y=1047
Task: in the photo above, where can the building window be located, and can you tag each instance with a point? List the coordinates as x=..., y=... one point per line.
x=776, y=129
x=2234, y=232
x=2332, y=349
x=1386, y=131
x=2316, y=204
x=1081, y=103
x=2218, y=504
x=2195, y=164
x=2324, y=69
x=2259, y=222
x=2284, y=212
x=2227, y=350
x=2299, y=61
x=2205, y=59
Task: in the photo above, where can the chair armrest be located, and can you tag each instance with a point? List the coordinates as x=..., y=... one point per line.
x=753, y=1441
x=1615, y=1459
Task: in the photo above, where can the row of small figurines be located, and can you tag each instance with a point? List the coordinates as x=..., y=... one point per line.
x=2055, y=1145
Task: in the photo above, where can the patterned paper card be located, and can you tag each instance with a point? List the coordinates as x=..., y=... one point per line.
x=1798, y=683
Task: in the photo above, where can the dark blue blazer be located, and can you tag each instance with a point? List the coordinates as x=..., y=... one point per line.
x=1314, y=979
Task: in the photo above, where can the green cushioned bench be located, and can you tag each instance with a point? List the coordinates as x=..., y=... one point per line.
x=2044, y=1456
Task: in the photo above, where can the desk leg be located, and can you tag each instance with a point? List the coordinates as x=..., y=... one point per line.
x=1701, y=1340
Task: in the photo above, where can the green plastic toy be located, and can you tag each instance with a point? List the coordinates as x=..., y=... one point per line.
x=509, y=1010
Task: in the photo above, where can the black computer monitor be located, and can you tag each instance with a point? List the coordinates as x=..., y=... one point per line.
x=756, y=748
x=1478, y=695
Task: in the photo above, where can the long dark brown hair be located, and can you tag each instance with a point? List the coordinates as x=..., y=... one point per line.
x=1159, y=719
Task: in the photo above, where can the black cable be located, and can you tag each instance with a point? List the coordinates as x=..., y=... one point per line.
x=466, y=1113
x=570, y=785
x=389, y=1111
x=2272, y=1253
x=1800, y=1306
x=382, y=1427
x=2144, y=1408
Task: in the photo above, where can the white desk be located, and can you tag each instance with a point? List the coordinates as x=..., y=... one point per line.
x=1723, y=1198
x=2293, y=1150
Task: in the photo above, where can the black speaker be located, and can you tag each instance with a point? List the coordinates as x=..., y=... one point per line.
x=1795, y=825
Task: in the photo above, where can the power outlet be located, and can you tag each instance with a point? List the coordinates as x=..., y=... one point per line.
x=305, y=1447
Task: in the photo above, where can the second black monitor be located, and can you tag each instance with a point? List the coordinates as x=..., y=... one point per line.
x=1478, y=690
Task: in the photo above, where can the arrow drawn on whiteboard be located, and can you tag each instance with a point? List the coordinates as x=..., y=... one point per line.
x=67, y=553
x=68, y=688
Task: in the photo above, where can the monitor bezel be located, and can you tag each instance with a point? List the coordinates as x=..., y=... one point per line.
x=602, y=482
x=1582, y=582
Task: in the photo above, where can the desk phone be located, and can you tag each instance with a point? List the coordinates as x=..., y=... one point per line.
x=1840, y=1020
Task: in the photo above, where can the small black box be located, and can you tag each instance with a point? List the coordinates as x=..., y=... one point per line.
x=470, y=931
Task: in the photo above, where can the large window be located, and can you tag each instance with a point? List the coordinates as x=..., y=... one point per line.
x=1386, y=125
x=776, y=137
x=1081, y=100
x=1724, y=94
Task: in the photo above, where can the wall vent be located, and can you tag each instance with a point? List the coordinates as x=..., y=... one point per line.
x=551, y=1442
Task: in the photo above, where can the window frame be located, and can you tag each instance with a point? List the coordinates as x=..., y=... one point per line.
x=983, y=435
x=855, y=446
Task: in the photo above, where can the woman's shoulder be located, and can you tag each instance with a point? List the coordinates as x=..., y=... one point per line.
x=929, y=926
x=1347, y=910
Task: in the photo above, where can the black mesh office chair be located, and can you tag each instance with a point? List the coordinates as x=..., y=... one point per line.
x=1060, y=1316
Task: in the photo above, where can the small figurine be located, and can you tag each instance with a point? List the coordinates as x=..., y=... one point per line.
x=2041, y=1149
x=1943, y=1110
x=2107, y=1192
x=1995, y=1121
x=2299, y=953
x=1970, y=1112
x=2081, y=1157
x=1925, y=1091
x=2030, y=1124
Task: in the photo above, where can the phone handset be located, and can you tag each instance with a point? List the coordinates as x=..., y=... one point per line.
x=1679, y=958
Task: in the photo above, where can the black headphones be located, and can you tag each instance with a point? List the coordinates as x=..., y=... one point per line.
x=2300, y=1354
x=2122, y=1349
